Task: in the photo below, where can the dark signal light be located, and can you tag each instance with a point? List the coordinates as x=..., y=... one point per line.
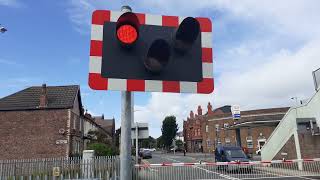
x=158, y=56
x=186, y=34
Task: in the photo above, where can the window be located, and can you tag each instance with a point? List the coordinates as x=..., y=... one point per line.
x=217, y=127
x=249, y=142
x=226, y=125
x=207, y=128
x=81, y=122
x=208, y=143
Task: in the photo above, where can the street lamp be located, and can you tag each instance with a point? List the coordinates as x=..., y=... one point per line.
x=296, y=99
x=3, y=29
x=137, y=140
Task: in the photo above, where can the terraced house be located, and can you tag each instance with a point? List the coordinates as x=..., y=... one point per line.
x=41, y=122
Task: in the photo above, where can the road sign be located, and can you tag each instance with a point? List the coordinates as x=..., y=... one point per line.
x=235, y=109
x=62, y=141
x=56, y=171
x=143, y=131
x=152, y=53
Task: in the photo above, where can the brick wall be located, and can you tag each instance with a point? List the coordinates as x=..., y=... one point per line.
x=289, y=148
x=310, y=145
x=261, y=132
x=32, y=134
x=211, y=136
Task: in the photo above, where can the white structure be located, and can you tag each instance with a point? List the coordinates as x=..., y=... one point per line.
x=179, y=136
x=288, y=127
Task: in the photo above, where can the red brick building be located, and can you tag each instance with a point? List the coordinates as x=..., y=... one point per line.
x=41, y=122
x=192, y=130
x=218, y=127
x=250, y=132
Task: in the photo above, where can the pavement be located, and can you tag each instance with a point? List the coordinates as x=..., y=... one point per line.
x=206, y=172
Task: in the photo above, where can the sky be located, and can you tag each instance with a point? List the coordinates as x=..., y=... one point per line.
x=264, y=53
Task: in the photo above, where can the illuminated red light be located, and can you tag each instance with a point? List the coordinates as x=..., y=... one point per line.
x=127, y=34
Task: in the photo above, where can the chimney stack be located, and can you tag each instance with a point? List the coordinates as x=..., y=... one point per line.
x=191, y=115
x=199, y=111
x=43, y=97
x=209, y=108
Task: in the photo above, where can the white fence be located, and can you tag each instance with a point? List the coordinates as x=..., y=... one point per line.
x=228, y=170
x=60, y=168
x=107, y=168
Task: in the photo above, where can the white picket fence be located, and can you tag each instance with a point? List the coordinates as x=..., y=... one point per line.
x=60, y=168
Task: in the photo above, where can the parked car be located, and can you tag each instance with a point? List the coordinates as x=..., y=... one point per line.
x=233, y=154
x=145, y=153
x=176, y=149
x=153, y=149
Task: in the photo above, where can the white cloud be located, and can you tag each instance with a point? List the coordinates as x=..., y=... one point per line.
x=8, y=62
x=297, y=16
x=10, y=3
x=258, y=71
x=271, y=84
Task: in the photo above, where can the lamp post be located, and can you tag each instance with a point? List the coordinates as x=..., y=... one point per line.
x=137, y=140
x=3, y=29
x=296, y=100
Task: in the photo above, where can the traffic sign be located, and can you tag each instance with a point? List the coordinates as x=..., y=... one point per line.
x=152, y=53
x=235, y=109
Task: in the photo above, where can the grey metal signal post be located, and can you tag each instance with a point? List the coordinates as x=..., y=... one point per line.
x=125, y=144
x=126, y=121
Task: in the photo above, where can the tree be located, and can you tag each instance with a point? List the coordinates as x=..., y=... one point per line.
x=169, y=130
x=97, y=136
x=160, y=142
x=117, y=137
x=148, y=143
x=101, y=142
x=179, y=144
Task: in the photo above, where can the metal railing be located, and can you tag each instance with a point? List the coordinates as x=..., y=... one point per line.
x=224, y=170
x=60, y=168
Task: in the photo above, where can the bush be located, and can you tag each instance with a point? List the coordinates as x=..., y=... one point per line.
x=101, y=149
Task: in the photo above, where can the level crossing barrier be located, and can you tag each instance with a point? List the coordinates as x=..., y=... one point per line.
x=228, y=170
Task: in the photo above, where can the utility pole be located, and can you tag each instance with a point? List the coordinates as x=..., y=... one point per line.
x=126, y=121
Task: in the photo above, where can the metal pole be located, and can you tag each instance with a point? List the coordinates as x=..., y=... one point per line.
x=125, y=146
x=137, y=145
x=126, y=122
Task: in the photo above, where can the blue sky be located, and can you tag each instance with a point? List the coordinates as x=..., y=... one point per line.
x=263, y=52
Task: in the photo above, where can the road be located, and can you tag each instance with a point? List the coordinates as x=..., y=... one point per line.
x=207, y=172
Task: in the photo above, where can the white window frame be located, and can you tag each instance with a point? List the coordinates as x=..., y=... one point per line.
x=208, y=143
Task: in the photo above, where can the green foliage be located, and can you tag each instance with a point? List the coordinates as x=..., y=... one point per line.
x=160, y=142
x=179, y=144
x=99, y=137
x=169, y=130
x=148, y=143
x=101, y=149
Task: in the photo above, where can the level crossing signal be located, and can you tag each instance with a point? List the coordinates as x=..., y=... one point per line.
x=139, y=52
